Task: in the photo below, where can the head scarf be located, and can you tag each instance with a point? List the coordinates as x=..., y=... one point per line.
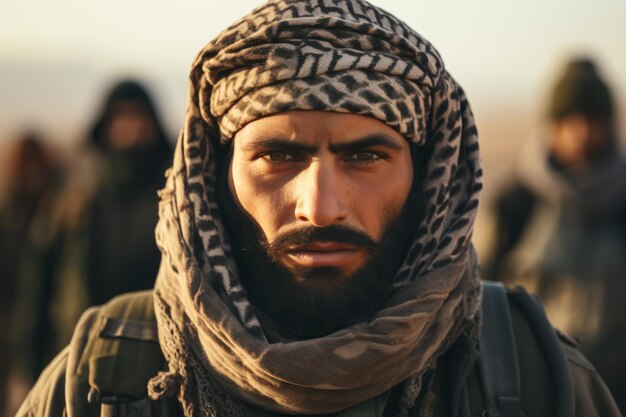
x=341, y=56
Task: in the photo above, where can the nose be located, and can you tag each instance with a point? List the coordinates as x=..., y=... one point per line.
x=320, y=196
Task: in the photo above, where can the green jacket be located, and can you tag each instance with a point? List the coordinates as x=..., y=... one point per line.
x=91, y=376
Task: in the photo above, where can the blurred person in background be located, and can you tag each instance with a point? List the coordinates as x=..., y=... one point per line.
x=97, y=240
x=562, y=223
x=30, y=175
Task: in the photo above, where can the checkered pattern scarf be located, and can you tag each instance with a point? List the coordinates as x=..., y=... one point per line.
x=342, y=56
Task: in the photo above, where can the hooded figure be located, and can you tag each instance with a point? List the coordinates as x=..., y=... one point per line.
x=95, y=239
x=315, y=226
x=562, y=224
x=134, y=155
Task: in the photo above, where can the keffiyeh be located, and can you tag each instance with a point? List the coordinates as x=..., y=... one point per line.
x=341, y=56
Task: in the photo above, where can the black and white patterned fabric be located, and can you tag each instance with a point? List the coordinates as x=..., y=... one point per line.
x=341, y=56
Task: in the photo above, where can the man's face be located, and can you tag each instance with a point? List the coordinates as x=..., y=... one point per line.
x=576, y=139
x=130, y=126
x=327, y=192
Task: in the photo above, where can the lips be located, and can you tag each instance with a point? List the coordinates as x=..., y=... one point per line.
x=320, y=254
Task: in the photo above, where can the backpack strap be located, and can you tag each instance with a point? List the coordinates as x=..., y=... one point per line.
x=498, y=362
x=548, y=338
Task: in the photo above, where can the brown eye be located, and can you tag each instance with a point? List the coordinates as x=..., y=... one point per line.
x=363, y=157
x=277, y=156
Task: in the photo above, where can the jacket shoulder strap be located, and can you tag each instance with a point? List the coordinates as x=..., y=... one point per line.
x=498, y=362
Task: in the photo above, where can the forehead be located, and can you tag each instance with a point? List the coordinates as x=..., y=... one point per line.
x=129, y=107
x=315, y=127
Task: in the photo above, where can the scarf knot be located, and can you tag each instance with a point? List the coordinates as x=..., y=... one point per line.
x=164, y=385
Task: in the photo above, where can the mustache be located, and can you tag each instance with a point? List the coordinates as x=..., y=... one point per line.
x=304, y=235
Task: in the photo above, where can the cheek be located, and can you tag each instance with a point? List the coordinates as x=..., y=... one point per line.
x=378, y=201
x=263, y=201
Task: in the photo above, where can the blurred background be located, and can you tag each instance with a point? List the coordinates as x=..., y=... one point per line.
x=58, y=59
x=61, y=63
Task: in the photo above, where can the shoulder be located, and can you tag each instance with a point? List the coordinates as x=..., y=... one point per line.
x=47, y=397
x=53, y=393
x=515, y=197
x=74, y=195
x=552, y=373
x=121, y=333
x=539, y=367
x=592, y=396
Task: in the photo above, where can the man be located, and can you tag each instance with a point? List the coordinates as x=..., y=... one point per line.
x=32, y=175
x=315, y=231
x=95, y=238
x=561, y=224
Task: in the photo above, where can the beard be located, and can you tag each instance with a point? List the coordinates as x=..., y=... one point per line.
x=298, y=303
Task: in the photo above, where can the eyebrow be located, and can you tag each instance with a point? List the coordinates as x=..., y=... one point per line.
x=369, y=141
x=377, y=139
x=282, y=145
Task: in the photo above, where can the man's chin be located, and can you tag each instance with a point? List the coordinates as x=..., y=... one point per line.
x=311, y=302
x=318, y=278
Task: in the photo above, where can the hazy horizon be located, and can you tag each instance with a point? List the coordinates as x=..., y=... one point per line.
x=58, y=59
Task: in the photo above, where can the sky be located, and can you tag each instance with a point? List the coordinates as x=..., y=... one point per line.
x=58, y=58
